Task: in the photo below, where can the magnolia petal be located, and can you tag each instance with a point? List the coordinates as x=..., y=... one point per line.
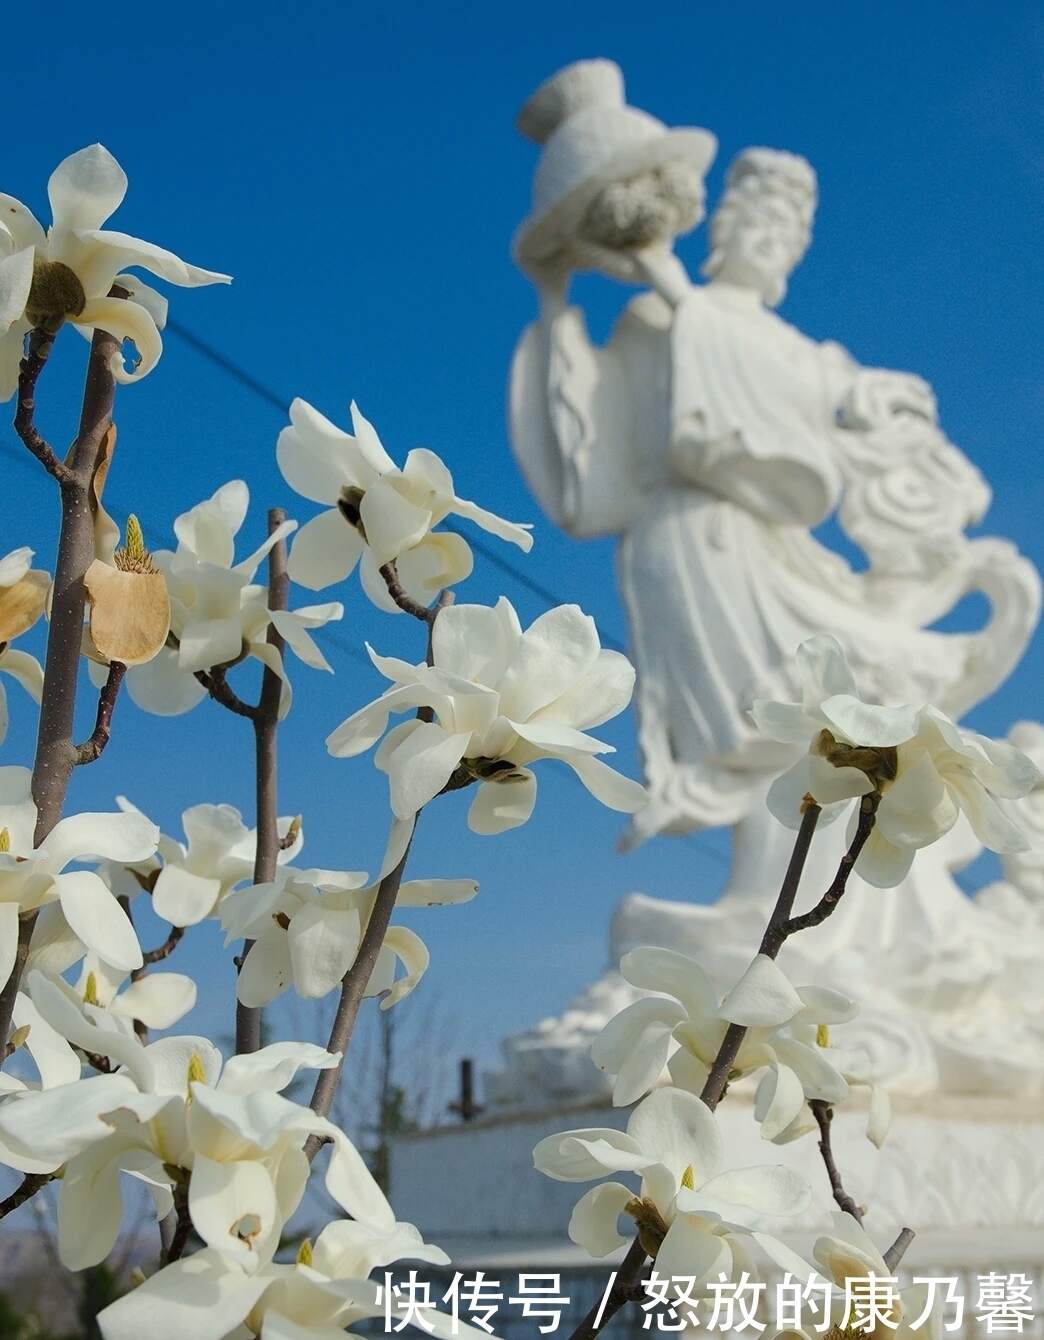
x=643, y=1067
x=369, y=443
x=267, y=970
x=316, y=458
x=422, y=765
x=98, y=920
x=364, y=728
x=125, y=838
x=654, y=969
x=130, y=613
x=786, y=723
x=22, y=602
x=600, y=695
x=867, y=724
x=689, y=1249
x=8, y=939
x=273, y=1067
x=766, y=1189
x=182, y=898
x=85, y=188
x=824, y=671
x=163, y=688
x=917, y=808
x=200, y=1296
x=989, y=823
x=412, y=953
x=610, y=787
x=785, y=1257
x=275, y=1326
x=501, y=805
x=158, y=1000
x=54, y=1058
x=778, y=1101
x=824, y=1006
x=583, y=1155
x=53, y=1001
x=441, y=559
x=830, y=787
x=436, y=892
x=90, y=1210
x=677, y=1129
x=818, y=1077
x=398, y=843
x=392, y=522
x=54, y=1125
x=16, y=279
x=469, y=641
x=323, y=942
x=124, y=321
x=15, y=565
x=303, y=646
x=18, y=221
x=593, y=1223
x=519, y=533
x=233, y=1208
x=248, y=566
x=151, y=299
x=883, y=864
x=624, y=1032
x=880, y=1117
x=133, y=251
x=762, y=998
x=553, y=653
x=26, y=669
x=54, y=947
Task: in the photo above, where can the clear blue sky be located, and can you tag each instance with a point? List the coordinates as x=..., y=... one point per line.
x=356, y=169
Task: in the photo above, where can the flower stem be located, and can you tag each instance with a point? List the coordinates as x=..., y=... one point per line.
x=622, y=1292
x=41, y=342
x=55, y=750
x=30, y=1184
x=897, y=1251
x=402, y=597
x=266, y=728
x=867, y=818
x=824, y=1115
x=771, y=942
x=93, y=748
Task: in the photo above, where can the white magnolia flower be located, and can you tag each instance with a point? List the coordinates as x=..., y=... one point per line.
x=172, y=1116
x=926, y=768
x=853, y=1065
x=23, y=597
x=308, y=926
x=501, y=699
x=194, y=878
x=378, y=513
x=208, y=1297
x=683, y=1028
x=217, y=615
x=34, y=877
x=688, y=1210
x=65, y=274
x=849, y=1254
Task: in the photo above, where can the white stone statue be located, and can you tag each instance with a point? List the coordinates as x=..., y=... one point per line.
x=712, y=436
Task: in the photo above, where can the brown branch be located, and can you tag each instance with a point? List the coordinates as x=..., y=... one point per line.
x=266, y=729
x=167, y=947
x=55, y=750
x=182, y=1226
x=93, y=748
x=897, y=1251
x=402, y=597
x=41, y=342
x=824, y=1115
x=220, y=690
x=771, y=942
x=867, y=818
x=623, y=1291
x=30, y=1184
x=353, y=988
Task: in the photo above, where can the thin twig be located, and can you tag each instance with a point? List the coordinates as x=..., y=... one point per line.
x=771, y=942
x=867, y=818
x=266, y=729
x=217, y=686
x=897, y=1251
x=403, y=598
x=353, y=987
x=41, y=342
x=182, y=1227
x=92, y=749
x=824, y=1115
x=166, y=948
x=30, y=1184
x=622, y=1292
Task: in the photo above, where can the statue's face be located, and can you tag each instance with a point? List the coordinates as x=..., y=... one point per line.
x=765, y=242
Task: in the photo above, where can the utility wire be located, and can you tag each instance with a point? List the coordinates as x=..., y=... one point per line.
x=282, y=404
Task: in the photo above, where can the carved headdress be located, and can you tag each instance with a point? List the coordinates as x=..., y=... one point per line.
x=591, y=139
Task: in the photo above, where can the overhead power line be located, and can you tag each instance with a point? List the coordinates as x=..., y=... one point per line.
x=278, y=402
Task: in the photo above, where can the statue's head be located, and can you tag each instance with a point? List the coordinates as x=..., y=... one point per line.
x=610, y=176
x=763, y=225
